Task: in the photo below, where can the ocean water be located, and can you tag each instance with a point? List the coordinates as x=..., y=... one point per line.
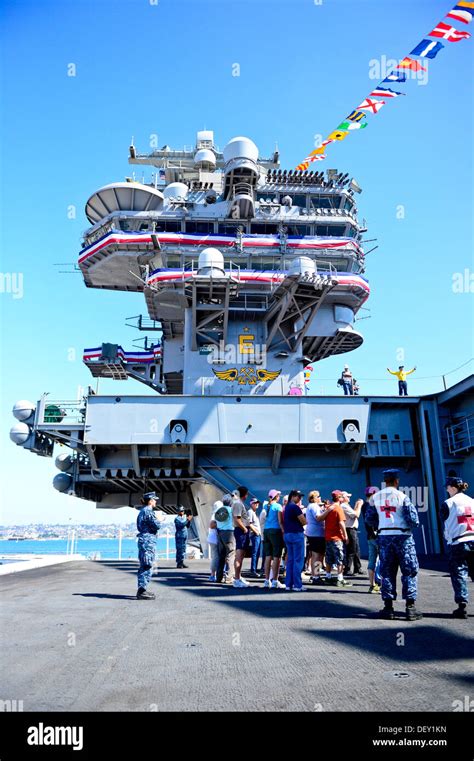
x=107, y=548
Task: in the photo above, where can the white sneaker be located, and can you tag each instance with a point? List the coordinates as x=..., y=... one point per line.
x=266, y=584
x=240, y=583
x=277, y=584
x=297, y=589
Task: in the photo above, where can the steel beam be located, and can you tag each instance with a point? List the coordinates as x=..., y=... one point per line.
x=277, y=449
x=136, y=459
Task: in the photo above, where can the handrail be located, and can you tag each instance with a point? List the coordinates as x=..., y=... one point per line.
x=61, y=412
x=461, y=435
x=242, y=188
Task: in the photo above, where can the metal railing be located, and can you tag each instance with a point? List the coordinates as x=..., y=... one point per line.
x=461, y=435
x=242, y=188
x=64, y=413
x=166, y=554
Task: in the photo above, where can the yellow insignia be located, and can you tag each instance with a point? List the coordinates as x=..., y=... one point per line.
x=266, y=375
x=227, y=375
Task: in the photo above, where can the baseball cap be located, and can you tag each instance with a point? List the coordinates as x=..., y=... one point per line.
x=454, y=481
x=336, y=494
x=149, y=495
x=347, y=494
x=181, y=509
x=295, y=493
x=391, y=473
x=254, y=501
x=273, y=492
x=371, y=490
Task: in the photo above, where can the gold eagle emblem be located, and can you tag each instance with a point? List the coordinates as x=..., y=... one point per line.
x=227, y=375
x=246, y=375
x=267, y=375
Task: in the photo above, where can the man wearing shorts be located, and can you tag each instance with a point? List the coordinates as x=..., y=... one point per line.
x=336, y=536
x=273, y=540
x=241, y=533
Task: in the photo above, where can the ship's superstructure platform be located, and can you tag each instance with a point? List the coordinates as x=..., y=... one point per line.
x=192, y=449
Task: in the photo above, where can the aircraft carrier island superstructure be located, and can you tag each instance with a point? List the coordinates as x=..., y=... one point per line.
x=250, y=273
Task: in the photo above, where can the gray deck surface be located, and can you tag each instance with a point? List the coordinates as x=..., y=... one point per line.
x=73, y=637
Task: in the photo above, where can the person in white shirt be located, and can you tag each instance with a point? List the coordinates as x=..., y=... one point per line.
x=261, y=513
x=256, y=536
x=213, y=541
x=347, y=381
x=353, y=564
x=314, y=531
x=457, y=512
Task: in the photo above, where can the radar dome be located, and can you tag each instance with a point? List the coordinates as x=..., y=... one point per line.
x=64, y=462
x=205, y=158
x=240, y=148
x=302, y=265
x=62, y=482
x=176, y=190
x=122, y=196
x=20, y=433
x=211, y=262
x=23, y=409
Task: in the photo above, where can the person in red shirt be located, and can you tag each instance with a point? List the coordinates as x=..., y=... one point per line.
x=336, y=536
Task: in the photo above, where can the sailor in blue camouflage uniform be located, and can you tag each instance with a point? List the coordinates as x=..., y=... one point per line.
x=394, y=517
x=148, y=526
x=181, y=523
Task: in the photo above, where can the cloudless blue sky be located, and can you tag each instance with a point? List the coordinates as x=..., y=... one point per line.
x=166, y=69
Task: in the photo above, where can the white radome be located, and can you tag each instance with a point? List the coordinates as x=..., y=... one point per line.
x=205, y=157
x=301, y=265
x=240, y=148
x=176, y=190
x=23, y=409
x=20, y=433
x=211, y=261
x=64, y=462
x=62, y=482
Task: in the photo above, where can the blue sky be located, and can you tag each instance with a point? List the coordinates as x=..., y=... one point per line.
x=166, y=69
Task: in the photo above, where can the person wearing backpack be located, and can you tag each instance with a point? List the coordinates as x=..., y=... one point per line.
x=346, y=381
x=222, y=516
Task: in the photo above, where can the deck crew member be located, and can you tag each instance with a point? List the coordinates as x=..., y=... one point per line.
x=401, y=374
x=392, y=514
x=148, y=526
x=181, y=523
x=457, y=512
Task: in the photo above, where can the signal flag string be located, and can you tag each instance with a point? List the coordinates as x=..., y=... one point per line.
x=463, y=11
